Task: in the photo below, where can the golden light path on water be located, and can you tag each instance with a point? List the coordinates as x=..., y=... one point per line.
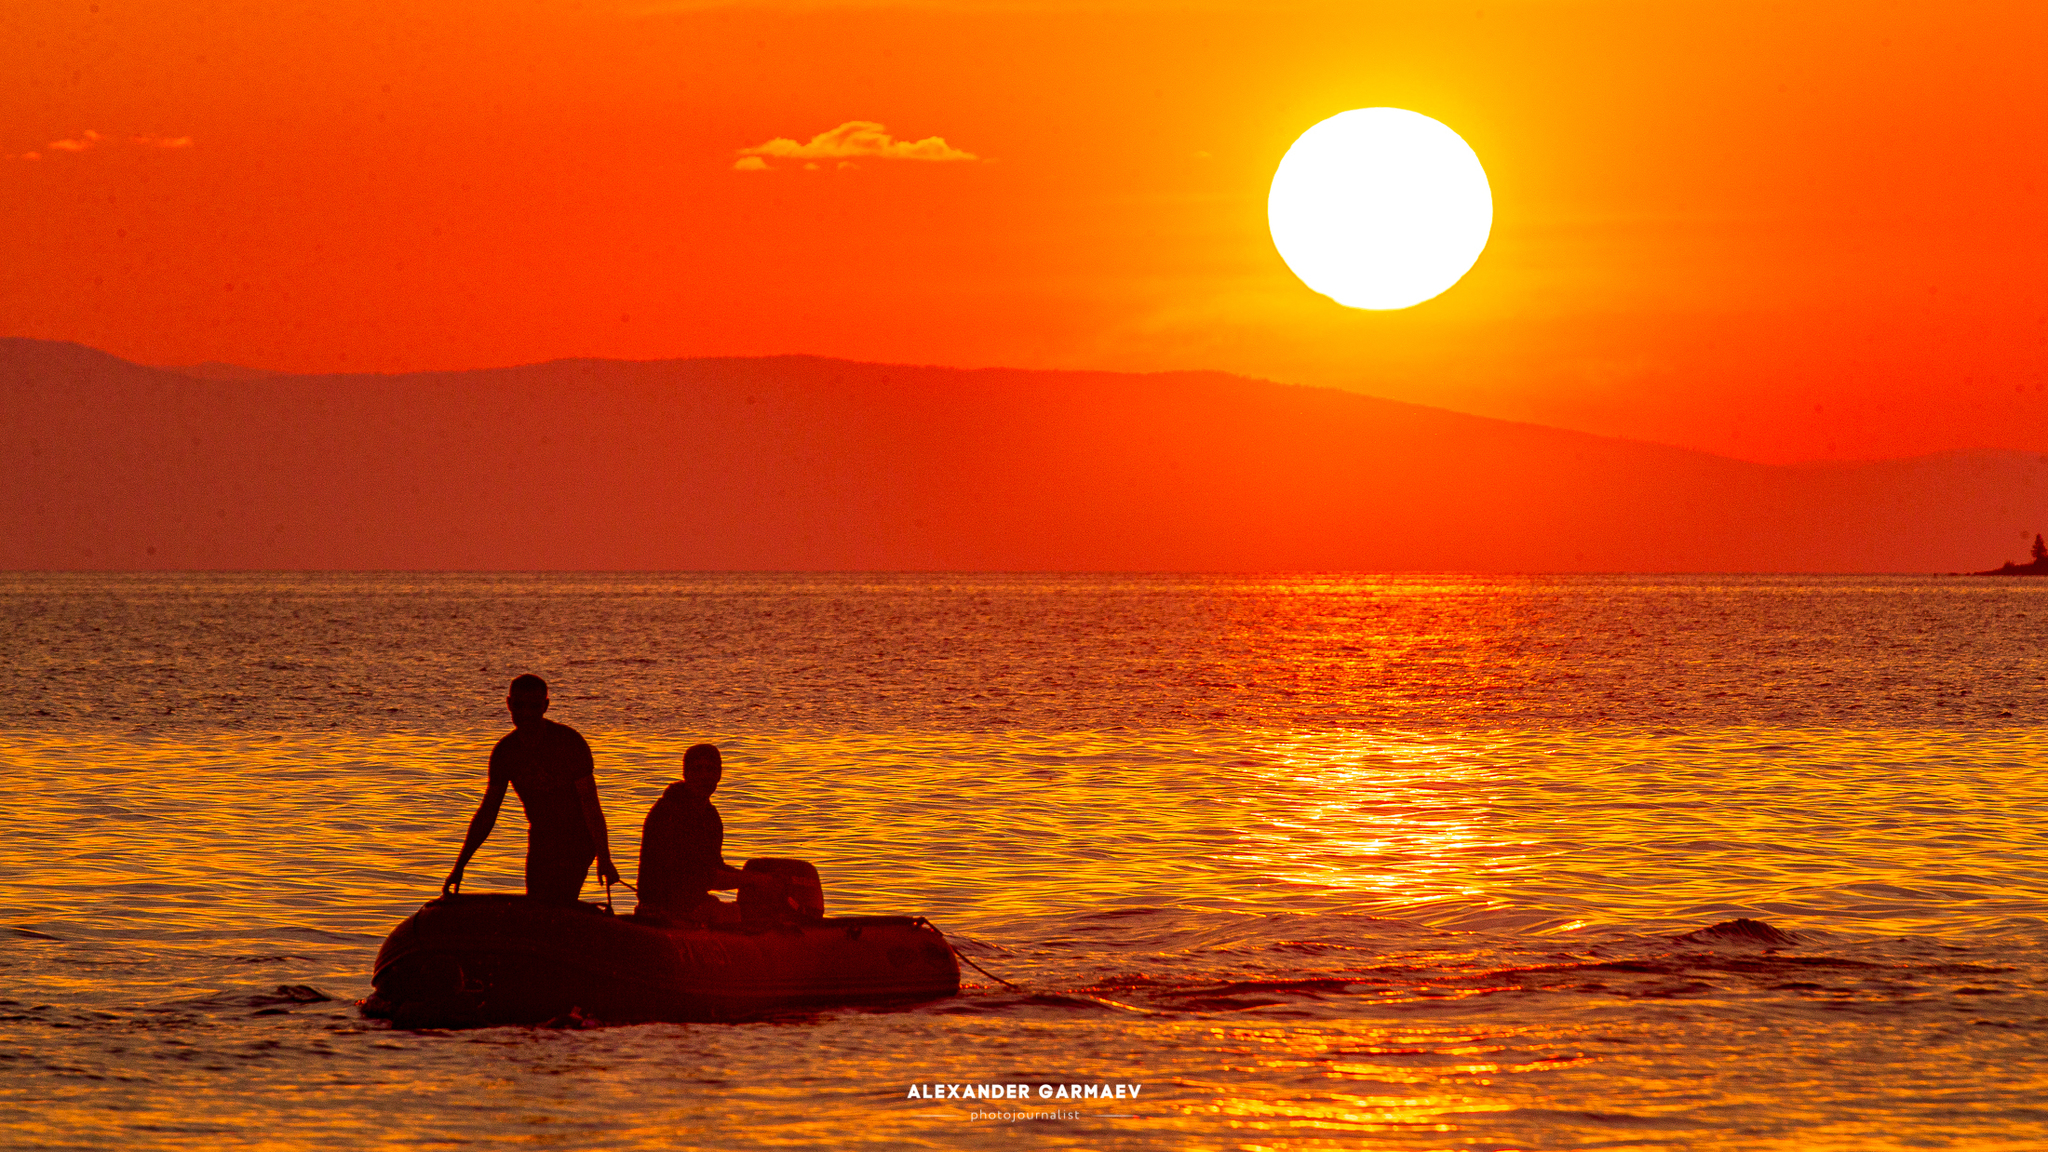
x=1299, y=939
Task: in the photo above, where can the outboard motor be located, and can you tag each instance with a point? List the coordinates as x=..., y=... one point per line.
x=786, y=892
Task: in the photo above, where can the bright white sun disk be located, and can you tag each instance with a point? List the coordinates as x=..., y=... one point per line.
x=1380, y=208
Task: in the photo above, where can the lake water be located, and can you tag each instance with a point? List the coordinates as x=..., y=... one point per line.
x=1320, y=861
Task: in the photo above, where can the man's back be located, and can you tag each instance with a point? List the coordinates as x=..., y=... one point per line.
x=543, y=765
x=681, y=851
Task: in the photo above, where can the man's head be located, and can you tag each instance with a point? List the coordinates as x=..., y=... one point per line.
x=702, y=770
x=528, y=700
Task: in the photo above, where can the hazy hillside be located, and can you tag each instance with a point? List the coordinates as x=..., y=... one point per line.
x=804, y=463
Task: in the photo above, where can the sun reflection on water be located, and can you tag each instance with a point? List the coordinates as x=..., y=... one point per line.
x=1372, y=815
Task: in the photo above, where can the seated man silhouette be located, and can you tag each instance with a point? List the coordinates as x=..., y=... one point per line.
x=549, y=766
x=682, y=848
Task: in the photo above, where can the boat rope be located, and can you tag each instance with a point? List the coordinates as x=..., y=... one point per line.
x=962, y=955
x=979, y=968
x=608, y=892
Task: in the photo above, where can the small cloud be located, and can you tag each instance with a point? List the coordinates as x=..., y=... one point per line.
x=862, y=139
x=79, y=143
x=844, y=164
x=812, y=167
x=87, y=140
x=750, y=164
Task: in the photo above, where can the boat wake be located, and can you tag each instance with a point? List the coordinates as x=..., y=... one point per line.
x=1199, y=962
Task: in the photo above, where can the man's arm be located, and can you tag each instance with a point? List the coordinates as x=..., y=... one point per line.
x=593, y=819
x=480, y=826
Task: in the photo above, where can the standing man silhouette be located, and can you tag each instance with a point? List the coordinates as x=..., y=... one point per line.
x=549, y=765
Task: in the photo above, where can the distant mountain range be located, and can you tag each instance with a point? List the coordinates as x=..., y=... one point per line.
x=796, y=462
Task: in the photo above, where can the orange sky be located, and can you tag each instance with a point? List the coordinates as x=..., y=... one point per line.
x=1779, y=231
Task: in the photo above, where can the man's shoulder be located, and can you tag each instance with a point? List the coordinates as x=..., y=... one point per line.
x=555, y=740
x=566, y=734
x=677, y=803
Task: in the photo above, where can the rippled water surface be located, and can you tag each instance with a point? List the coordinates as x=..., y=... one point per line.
x=1359, y=862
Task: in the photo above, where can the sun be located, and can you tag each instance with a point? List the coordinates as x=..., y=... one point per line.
x=1380, y=208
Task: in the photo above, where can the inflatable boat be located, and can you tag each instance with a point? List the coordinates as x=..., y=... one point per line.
x=473, y=960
